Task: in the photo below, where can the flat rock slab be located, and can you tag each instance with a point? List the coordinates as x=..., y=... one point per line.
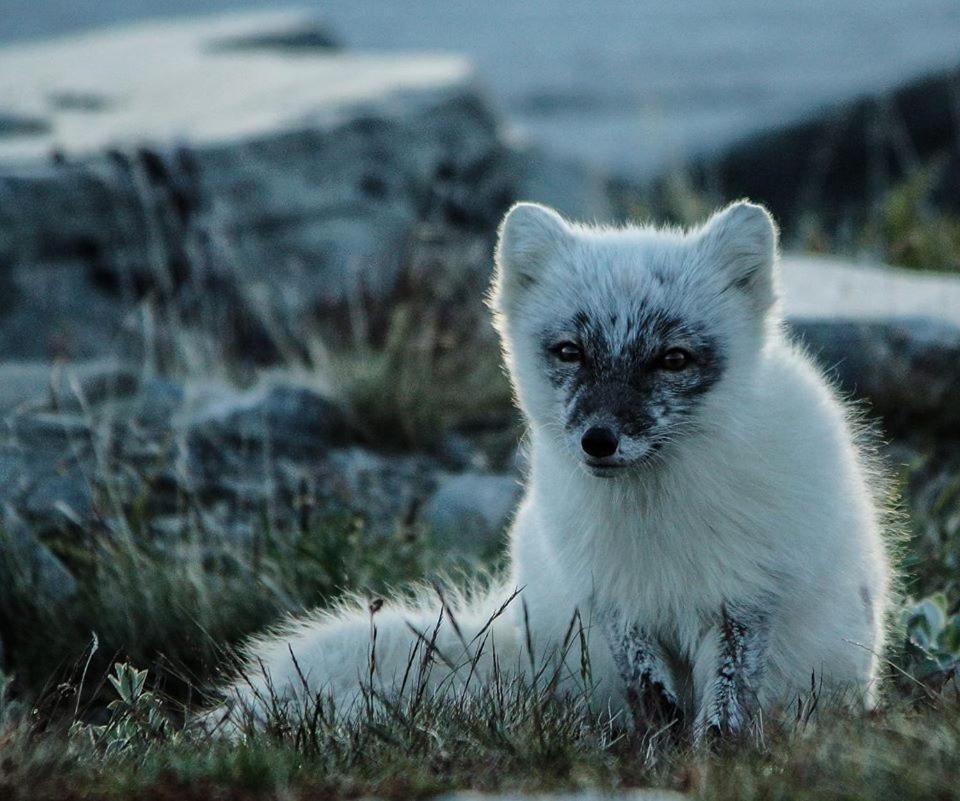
x=66, y=387
x=819, y=287
x=167, y=156
x=280, y=180
x=90, y=91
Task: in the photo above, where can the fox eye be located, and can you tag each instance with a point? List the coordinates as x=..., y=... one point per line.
x=675, y=359
x=569, y=352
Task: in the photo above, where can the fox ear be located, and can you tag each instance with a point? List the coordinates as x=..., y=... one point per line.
x=741, y=240
x=529, y=238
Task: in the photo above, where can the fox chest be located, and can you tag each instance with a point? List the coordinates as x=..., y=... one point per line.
x=668, y=576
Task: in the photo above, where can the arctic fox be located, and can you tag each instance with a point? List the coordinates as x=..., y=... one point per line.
x=696, y=496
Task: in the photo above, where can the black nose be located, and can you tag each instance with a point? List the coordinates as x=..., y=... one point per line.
x=599, y=442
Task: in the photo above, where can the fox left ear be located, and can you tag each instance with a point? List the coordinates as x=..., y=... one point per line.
x=529, y=239
x=742, y=241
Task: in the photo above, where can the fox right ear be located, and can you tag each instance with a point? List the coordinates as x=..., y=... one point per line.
x=742, y=240
x=529, y=237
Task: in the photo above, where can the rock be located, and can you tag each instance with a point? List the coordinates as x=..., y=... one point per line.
x=908, y=370
x=276, y=448
x=283, y=421
x=328, y=167
x=457, y=452
x=28, y=563
x=470, y=511
x=158, y=400
x=63, y=495
x=575, y=189
x=248, y=96
x=303, y=37
x=887, y=335
x=50, y=309
x=23, y=384
x=821, y=287
x=236, y=455
x=19, y=125
x=838, y=163
x=323, y=176
x=386, y=491
x=47, y=466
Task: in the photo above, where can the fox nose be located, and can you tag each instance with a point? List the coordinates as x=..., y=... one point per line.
x=599, y=442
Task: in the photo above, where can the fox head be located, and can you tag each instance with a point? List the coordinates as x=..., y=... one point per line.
x=622, y=342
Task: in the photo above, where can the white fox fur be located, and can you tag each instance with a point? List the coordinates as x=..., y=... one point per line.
x=757, y=498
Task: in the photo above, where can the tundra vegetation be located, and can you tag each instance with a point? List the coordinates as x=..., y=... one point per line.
x=102, y=690
x=162, y=525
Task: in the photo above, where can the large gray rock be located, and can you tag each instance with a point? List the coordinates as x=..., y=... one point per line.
x=837, y=164
x=241, y=459
x=243, y=186
x=385, y=491
x=282, y=421
x=271, y=447
x=47, y=466
x=29, y=565
x=908, y=370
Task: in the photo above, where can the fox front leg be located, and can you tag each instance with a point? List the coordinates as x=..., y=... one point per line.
x=646, y=675
x=729, y=669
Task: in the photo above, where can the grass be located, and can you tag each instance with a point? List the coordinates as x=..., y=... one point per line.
x=516, y=738
x=434, y=383
x=67, y=730
x=102, y=689
x=912, y=231
x=906, y=227
x=176, y=608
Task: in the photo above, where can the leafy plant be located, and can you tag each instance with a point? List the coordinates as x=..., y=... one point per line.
x=933, y=638
x=136, y=719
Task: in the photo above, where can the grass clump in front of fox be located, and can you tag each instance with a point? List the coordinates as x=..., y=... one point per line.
x=516, y=736
x=103, y=692
x=119, y=721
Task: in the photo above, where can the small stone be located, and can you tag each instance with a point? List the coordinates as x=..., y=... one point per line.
x=470, y=511
x=30, y=562
x=158, y=401
x=60, y=496
x=287, y=421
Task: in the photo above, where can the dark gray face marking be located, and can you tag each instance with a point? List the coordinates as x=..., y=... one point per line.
x=621, y=376
x=731, y=698
x=645, y=672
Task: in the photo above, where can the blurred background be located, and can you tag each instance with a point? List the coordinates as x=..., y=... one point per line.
x=244, y=358
x=634, y=87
